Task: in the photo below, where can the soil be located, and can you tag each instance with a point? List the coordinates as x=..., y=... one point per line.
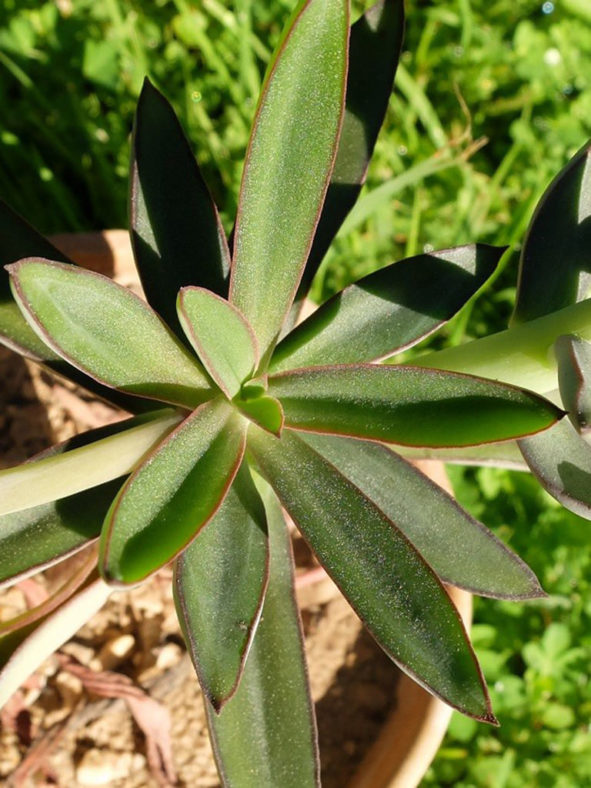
x=57, y=731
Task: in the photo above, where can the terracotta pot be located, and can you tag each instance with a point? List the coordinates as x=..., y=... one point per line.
x=412, y=733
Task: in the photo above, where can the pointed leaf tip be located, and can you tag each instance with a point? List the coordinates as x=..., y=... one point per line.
x=412, y=406
x=265, y=735
x=573, y=356
x=354, y=540
x=265, y=411
x=461, y=550
x=221, y=579
x=555, y=262
x=298, y=119
x=176, y=232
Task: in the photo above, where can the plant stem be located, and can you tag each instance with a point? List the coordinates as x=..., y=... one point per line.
x=522, y=355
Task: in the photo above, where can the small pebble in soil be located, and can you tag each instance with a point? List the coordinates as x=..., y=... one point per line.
x=103, y=767
x=113, y=653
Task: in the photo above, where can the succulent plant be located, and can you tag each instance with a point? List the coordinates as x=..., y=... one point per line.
x=238, y=413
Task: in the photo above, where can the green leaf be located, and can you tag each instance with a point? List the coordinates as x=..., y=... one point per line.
x=265, y=411
x=220, y=582
x=107, y=331
x=389, y=310
x=396, y=594
x=173, y=494
x=176, y=233
x=408, y=405
x=555, y=264
x=78, y=569
x=288, y=165
x=376, y=41
x=265, y=736
x=79, y=465
x=561, y=461
x=574, y=379
x=23, y=651
x=33, y=539
x=20, y=240
x=222, y=338
x=459, y=548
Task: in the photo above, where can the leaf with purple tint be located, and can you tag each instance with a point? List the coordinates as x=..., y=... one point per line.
x=176, y=233
x=460, y=549
x=265, y=735
x=375, y=45
x=222, y=338
x=288, y=164
x=387, y=582
x=389, y=310
x=107, y=332
x=220, y=582
x=18, y=240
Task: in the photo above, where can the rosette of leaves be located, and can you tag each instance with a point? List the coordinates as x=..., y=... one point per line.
x=236, y=413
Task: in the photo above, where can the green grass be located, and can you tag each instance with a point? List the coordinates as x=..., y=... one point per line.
x=535, y=655
x=492, y=98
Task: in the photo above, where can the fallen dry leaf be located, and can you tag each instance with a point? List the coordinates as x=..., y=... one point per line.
x=151, y=717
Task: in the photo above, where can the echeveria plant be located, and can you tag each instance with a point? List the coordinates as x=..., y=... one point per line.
x=238, y=413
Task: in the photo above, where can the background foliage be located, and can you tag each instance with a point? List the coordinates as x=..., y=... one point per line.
x=492, y=98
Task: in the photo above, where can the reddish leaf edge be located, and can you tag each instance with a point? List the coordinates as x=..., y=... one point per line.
x=537, y=592
x=489, y=716
x=302, y=653
x=218, y=702
x=254, y=128
x=567, y=342
x=566, y=499
x=560, y=413
x=189, y=330
x=116, y=583
x=419, y=337
x=71, y=584
x=35, y=324
x=250, y=416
